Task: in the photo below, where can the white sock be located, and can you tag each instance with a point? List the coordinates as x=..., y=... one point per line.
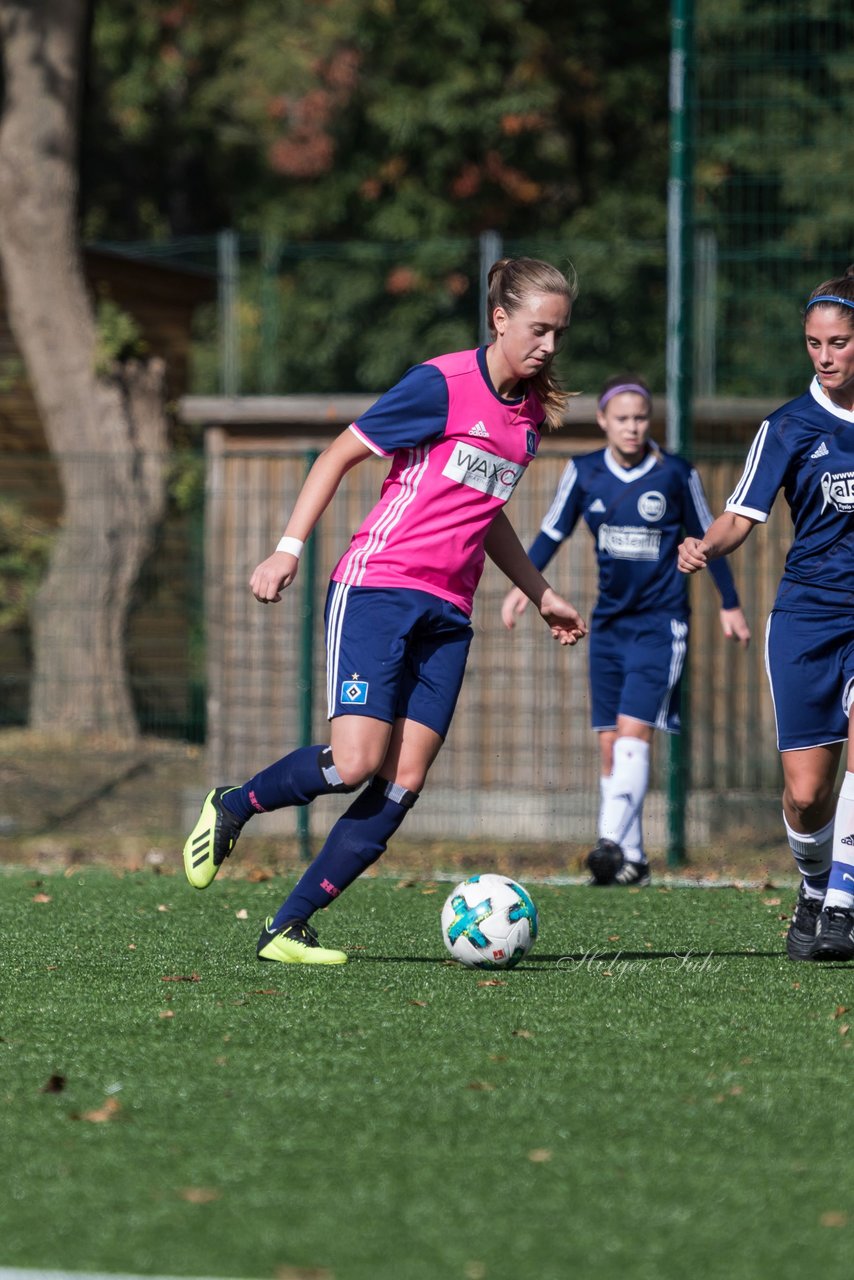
x=604, y=797
x=813, y=854
x=628, y=784
x=840, y=892
x=633, y=839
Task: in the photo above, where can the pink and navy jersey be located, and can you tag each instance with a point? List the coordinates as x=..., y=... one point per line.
x=806, y=448
x=458, y=451
x=637, y=516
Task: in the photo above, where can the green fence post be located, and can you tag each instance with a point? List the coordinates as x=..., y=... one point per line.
x=680, y=191
x=308, y=574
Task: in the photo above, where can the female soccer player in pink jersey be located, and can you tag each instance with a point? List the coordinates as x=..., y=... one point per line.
x=806, y=448
x=460, y=431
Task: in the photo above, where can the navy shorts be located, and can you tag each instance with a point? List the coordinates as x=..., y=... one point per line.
x=810, y=663
x=394, y=653
x=635, y=668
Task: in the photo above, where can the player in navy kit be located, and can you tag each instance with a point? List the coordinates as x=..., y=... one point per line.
x=806, y=448
x=637, y=501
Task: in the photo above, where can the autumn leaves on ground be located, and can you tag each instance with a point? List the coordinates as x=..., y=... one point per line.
x=628, y=1101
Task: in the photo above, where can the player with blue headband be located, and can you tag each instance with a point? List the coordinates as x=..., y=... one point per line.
x=637, y=501
x=806, y=448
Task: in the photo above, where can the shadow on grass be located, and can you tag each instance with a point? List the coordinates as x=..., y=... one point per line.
x=581, y=958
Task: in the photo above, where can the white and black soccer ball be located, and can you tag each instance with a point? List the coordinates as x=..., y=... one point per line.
x=489, y=922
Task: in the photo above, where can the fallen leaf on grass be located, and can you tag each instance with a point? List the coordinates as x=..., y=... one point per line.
x=101, y=1115
x=839, y=1010
x=256, y=875
x=181, y=977
x=492, y=982
x=42, y=897
x=523, y=1034
x=54, y=1084
x=844, y=1029
x=242, y=914
x=199, y=1195
x=540, y=1155
x=772, y=902
x=161, y=906
x=481, y=1086
x=834, y=1218
x=422, y=1004
x=303, y=1273
x=166, y=1013
x=265, y=991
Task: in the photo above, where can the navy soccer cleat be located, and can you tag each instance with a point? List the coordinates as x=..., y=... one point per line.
x=804, y=922
x=604, y=862
x=834, y=936
x=634, y=873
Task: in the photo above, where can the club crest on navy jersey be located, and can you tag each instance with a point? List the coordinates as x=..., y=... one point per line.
x=652, y=505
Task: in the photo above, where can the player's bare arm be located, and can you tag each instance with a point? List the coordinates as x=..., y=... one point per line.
x=723, y=536
x=279, y=570
x=513, y=606
x=735, y=626
x=506, y=551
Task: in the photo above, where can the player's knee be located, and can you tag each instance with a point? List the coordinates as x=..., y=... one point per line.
x=807, y=805
x=341, y=776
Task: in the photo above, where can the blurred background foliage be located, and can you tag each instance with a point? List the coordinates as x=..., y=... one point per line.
x=359, y=148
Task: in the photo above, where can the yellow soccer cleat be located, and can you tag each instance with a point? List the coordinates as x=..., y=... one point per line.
x=295, y=943
x=211, y=840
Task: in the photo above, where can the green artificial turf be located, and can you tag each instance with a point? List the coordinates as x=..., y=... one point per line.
x=655, y=1092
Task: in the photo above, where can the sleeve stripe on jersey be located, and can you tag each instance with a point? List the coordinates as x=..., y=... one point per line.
x=564, y=489
x=698, y=497
x=750, y=467
x=369, y=444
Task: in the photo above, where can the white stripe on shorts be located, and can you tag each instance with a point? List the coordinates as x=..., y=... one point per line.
x=678, y=648
x=334, y=623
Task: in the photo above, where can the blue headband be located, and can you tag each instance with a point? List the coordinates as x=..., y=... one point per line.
x=830, y=297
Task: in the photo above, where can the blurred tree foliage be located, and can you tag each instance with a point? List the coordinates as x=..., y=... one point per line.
x=404, y=128
x=408, y=127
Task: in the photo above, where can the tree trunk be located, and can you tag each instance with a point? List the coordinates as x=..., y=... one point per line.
x=108, y=435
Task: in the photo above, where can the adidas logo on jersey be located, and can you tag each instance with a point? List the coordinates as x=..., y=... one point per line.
x=849, y=840
x=597, y=505
x=479, y=430
x=821, y=452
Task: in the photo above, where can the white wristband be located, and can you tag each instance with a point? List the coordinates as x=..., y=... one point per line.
x=293, y=546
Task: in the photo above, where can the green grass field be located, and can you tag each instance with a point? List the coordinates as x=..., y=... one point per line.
x=630, y=1102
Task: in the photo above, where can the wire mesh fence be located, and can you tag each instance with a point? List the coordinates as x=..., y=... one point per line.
x=206, y=663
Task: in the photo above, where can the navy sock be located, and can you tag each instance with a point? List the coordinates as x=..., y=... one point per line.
x=358, y=838
x=296, y=779
x=818, y=884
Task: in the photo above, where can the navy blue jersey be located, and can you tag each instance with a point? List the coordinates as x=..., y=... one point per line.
x=637, y=517
x=806, y=448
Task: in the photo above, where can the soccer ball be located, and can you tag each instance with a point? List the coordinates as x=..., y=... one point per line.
x=489, y=922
